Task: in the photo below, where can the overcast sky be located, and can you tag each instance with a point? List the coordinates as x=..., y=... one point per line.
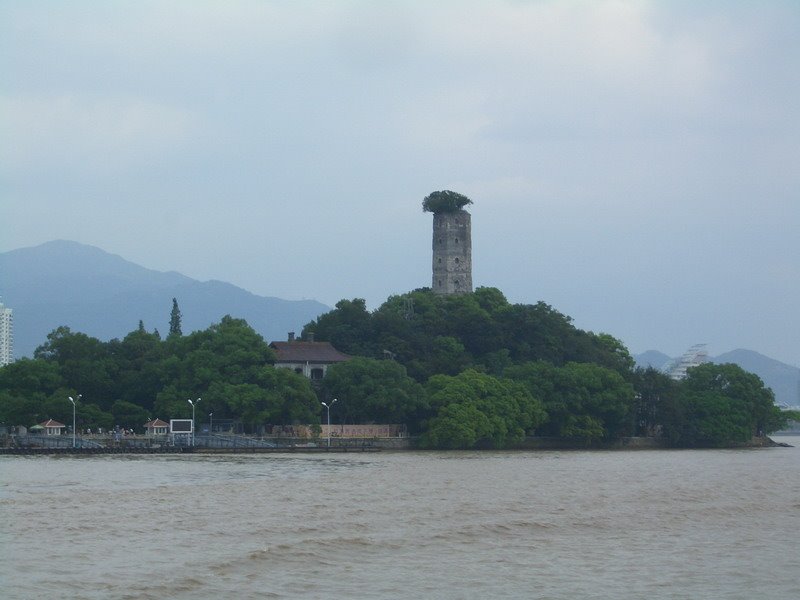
x=636, y=165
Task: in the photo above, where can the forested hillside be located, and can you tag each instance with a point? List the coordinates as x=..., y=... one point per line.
x=461, y=371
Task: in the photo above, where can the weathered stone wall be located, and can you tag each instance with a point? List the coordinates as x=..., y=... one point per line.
x=452, y=253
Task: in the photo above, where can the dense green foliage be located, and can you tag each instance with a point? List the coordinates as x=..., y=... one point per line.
x=585, y=382
x=720, y=405
x=475, y=409
x=463, y=371
x=376, y=391
x=432, y=334
x=126, y=382
x=584, y=401
x=444, y=202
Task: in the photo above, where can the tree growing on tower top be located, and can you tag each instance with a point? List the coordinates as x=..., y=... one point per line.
x=444, y=201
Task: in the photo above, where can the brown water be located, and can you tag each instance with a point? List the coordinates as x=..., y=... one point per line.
x=632, y=524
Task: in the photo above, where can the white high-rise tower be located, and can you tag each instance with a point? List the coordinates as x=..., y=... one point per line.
x=6, y=336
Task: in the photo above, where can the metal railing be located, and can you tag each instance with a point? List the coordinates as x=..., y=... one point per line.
x=54, y=441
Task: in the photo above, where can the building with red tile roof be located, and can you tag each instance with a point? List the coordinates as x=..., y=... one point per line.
x=156, y=427
x=52, y=427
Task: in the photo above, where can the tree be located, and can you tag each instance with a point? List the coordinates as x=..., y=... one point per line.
x=276, y=396
x=375, y=391
x=737, y=384
x=457, y=426
x=20, y=410
x=83, y=362
x=706, y=418
x=583, y=400
x=229, y=351
x=475, y=409
x=720, y=405
x=175, y=320
x=129, y=415
x=654, y=393
x=613, y=354
x=348, y=327
x=90, y=415
x=138, y=358
x=26, y=377
x=444, y=202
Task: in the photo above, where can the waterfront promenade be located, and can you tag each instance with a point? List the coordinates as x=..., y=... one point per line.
x=169, y=444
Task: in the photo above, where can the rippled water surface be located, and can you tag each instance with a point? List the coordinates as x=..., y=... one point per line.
x=632, y=524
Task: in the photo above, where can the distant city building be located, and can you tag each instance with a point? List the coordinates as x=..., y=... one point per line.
x=693, y=357
x=308, y=358
x=6, y=336
x=452, y=252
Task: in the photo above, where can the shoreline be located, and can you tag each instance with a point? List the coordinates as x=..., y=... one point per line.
x=531, y=444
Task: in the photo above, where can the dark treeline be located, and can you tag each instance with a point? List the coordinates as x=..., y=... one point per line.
x=126, y=382
x=478, y=370
x=461, y=371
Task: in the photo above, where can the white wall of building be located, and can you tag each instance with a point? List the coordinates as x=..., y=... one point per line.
x=6, y=336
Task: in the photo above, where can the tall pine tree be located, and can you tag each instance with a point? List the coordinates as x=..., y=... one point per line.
x=175, y=320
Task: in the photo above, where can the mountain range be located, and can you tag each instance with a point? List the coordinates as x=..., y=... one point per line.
x=105, y=296
x=782, y=378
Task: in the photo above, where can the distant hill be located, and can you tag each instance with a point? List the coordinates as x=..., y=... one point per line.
x=105, y=296
x=783, y=379
x=652, y=358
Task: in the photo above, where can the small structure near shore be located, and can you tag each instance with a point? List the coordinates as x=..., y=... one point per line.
x=52, y=427
x=156, y=427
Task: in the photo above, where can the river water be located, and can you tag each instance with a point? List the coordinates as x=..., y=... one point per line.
x=548, y=524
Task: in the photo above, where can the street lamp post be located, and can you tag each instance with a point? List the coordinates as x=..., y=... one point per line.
x=71, y=399
x=193, y=405
x=328, y=406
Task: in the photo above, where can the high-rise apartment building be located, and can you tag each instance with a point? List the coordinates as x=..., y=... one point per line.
x=6, y=336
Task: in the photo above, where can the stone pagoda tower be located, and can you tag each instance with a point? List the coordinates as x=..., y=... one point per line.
x=452, y=242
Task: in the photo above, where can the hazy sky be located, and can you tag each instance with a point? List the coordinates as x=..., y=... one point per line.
x=634, y=164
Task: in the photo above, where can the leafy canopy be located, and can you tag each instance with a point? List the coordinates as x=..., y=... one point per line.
x=444, y=202
x=376, y=391
x=126, y=382
x=475, y=409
